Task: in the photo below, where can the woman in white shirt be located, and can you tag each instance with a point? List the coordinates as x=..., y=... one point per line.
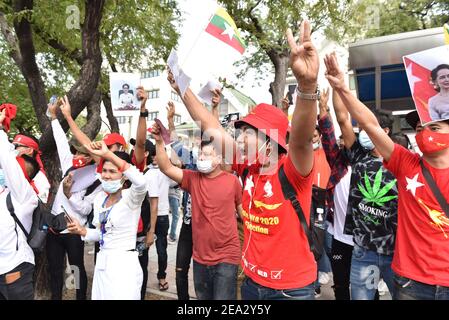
x=118, y=275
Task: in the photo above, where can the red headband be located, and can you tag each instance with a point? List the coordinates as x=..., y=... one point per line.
x=30, y=143
x=11, y=111
x=21, y=162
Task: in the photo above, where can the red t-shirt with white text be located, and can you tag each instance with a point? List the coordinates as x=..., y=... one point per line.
x=276, y=252
x=422, y=240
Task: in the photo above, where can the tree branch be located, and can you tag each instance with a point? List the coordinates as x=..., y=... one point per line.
x=11, y=40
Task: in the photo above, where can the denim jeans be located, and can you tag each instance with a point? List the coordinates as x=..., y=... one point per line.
x=217, y=282
x=408, y=289
x=367, y=267
x=174, y=207
x=254, y=291
x=161, y=232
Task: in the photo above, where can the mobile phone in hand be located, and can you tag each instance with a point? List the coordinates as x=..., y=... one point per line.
x=66, y=215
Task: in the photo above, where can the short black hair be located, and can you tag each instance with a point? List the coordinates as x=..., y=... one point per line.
x=205, y=143
x=125, y=84
x=317, y=128
x=401, y=139
x=434, y=73
x=33, y=164
x=124, y=156
x=385, y=121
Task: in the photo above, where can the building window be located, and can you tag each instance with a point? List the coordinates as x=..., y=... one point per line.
x=175, y=97
x=121, y=120
x=153, y=115
x=151, y=74
x=177, y=118
x=153, y=94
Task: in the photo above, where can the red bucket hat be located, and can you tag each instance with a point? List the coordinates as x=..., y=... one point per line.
x=270, y=120
x=113, y=138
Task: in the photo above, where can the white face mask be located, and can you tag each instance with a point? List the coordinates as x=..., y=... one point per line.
x=365, y=141
x=111, y=186
x=316, y=145
x=16, y=153
x=205, y=166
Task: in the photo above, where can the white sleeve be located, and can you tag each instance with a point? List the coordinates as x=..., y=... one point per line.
x=153, y=184
x=62, y=144
x=82, y=206
x=138, y=190
x=92, y=235
x=17, y=184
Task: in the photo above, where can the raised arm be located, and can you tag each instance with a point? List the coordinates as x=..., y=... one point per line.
x=79, y=135
x=141, y=136
x=343, y=120
x=62, y=144
x=304, y=63
x=366, y=119
x=208, y=123
x=162, y=159
x=216, y=103
x=171, y=111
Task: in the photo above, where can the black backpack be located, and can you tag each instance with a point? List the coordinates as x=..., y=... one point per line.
x=43, y=220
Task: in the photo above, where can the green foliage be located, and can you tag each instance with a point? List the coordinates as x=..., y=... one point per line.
x=135, y=34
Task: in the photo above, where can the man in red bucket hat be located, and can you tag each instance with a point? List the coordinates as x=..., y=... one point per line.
x=276, y=255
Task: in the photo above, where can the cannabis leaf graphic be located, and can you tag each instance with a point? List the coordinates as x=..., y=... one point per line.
x=374, y=193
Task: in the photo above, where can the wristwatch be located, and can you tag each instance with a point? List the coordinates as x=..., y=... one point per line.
x=144, y=114
x=309, y=96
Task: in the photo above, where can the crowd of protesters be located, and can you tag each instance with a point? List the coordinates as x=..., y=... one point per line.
x=274, y=201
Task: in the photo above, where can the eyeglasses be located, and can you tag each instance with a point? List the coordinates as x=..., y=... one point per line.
x=16, y=146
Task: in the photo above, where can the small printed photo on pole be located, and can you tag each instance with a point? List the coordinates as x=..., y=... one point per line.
x=124, y=92
x=428, y=77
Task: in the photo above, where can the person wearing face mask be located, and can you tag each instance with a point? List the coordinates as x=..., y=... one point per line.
x=118, y=274
x=421, y=258
x=215, y=198
x=16, y=256
x=77, y=201
x=372, y=210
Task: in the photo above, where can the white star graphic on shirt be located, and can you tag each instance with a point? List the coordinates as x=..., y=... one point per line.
x=249, y=184
x=411, y=78
x=229, y=31
x=413, y=184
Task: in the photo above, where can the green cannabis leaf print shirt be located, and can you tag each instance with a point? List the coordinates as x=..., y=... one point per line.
x=373, y=202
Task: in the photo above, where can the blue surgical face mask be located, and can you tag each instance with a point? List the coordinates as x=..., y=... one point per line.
x=365, y=141
x=111, y=186
x=2, y=179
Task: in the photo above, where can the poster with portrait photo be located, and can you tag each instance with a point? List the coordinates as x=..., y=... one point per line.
x=428, y=77
x=123, y=92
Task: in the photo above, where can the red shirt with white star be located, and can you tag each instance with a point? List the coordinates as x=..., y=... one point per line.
x=422, y=240
x=276, y=252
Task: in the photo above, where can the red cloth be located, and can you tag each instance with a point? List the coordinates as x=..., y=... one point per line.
x=214, y=225
x=113, y=138
x=422, y=239
x=276, y=252
x=21, y=162
x=11, y=111
x=140, y=166
x=270, y=121
x=30, y=143
x=322, y=169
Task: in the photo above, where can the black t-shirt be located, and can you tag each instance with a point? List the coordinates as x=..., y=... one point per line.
x=372, y=203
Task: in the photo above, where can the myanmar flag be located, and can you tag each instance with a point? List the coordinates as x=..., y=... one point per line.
x=446, y=33
x=223, y=27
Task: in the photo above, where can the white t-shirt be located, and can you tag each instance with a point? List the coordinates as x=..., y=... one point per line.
x=341, y=195
x=157, y=186
x=42, y=185
x=14, y=248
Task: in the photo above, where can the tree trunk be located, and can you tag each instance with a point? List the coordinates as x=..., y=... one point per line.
x=108, y=107
x=93, y=124
x=277, y=87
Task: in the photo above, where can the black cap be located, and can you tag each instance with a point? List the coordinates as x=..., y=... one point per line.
x=412, y=119
x=149, y=146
